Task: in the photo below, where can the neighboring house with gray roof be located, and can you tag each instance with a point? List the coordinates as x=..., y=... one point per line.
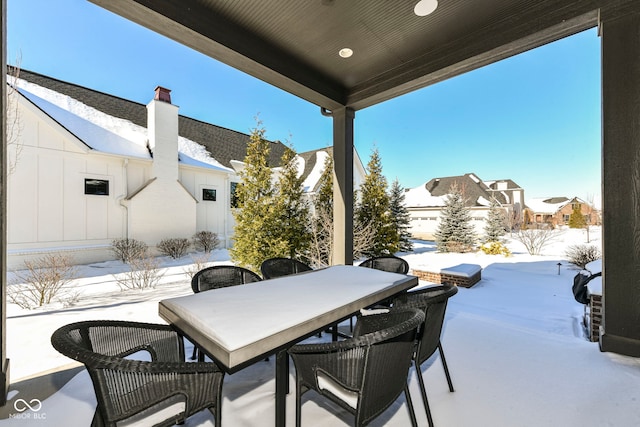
x=425, y=202
x=92, y=168
x=556, y=211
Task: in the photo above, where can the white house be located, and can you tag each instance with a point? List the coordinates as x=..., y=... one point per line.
x=92, y=168
x=426, y=201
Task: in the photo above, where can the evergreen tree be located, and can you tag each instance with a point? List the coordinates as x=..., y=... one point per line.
x=576, y=219
x=373, y=209
x=400, y=217
x=495, y=223
x=256, y=232
x=455, y=231
x=322, y=218
x=292, y=208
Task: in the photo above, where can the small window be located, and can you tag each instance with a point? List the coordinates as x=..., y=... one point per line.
x=234, y=196
x=96, y=187
x=209, y=194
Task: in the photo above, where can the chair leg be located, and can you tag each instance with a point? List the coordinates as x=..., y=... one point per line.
x=446, y=369
x=423, y=390
x=298, y=404
x=412, y=412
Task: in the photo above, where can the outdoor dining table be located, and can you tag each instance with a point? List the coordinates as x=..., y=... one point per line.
x=239, y=325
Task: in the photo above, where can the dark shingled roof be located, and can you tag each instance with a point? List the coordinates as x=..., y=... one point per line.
x=223, y=144
x=556, y=200
x=511, y=185
x=471, y=188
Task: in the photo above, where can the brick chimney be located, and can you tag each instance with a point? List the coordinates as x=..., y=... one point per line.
x=163, y=94
x=162, y=128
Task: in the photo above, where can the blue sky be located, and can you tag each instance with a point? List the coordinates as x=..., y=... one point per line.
x=533, y=118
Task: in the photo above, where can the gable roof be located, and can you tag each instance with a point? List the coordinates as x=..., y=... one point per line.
x=475, y=191
x=224, y=145
x=550, y=205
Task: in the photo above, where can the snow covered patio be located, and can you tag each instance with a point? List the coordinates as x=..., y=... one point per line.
x=516, y=351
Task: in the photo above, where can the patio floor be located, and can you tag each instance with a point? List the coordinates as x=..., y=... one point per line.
x=504, y=375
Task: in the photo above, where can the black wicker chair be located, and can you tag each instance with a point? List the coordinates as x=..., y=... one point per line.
x=433, y=302
x=161, y=390
x=220, y=276
x=364, y=374
x=278, y=267
x=389, y=263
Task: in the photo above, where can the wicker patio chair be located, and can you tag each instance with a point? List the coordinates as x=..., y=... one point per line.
x=160, y=390
x=433, y=302
x=364, y=374
x=220, y=276
x=278, y=267
x=389, y=263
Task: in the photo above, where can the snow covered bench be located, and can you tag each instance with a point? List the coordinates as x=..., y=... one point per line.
x=463, y=275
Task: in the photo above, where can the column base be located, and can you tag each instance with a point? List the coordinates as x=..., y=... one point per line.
x=620, y=345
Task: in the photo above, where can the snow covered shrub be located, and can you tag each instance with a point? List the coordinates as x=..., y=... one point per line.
x=144, y=273
x=42, y=281
x=128, y=249
x=581, y=255
x=495, y=248
x=207, y=240
x=175, y=248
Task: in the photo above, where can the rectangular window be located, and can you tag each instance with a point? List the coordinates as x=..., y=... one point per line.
x=232, y=192
x=96, y=187
x=209, y=194
x=565, y=218
x=576, y=206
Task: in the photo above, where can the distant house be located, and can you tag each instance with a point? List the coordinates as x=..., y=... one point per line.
x=556, y=211
x=92, y=168
x=425, y=202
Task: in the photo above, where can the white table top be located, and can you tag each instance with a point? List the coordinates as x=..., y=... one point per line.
x=239, y=323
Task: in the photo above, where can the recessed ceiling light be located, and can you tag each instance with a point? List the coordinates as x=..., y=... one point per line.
x=345, y=52
x=425, y=7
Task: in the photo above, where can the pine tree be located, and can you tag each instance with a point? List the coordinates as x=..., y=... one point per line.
x=495, y=223
x=576, y=219
x=400, y=217
x=320, y=251
x=373, y=209
x=455, y=231
x=256, y=235
x=292, y=208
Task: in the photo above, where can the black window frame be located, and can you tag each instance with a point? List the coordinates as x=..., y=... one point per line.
x=209, y=195
x=96, y=187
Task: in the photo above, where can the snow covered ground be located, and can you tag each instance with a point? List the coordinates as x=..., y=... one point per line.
x=516, y=350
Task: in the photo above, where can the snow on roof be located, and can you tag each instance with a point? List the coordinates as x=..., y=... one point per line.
x=312, y=179
x=419, y=196
x=541, y=205
x=96, y=137
x=483, y=201
x=105, y=133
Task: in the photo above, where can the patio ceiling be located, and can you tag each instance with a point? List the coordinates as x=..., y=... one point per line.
x=294, y=44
